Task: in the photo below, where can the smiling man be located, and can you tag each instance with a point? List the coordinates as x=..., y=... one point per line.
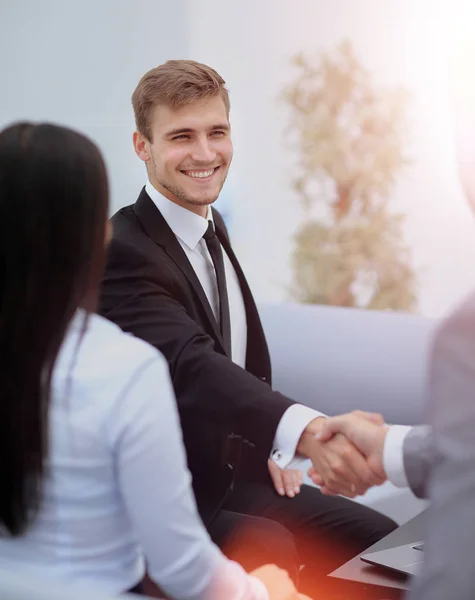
x=173, y=279
x=193, y=180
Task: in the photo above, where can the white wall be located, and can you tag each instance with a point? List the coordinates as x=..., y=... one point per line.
x=400, y=42
x=78, y=63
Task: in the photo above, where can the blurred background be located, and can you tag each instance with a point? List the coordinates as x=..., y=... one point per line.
x=344, y=188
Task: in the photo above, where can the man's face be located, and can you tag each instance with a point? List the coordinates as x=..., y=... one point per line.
x=190, y=153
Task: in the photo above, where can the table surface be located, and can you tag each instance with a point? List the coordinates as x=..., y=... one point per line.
x=357, y=570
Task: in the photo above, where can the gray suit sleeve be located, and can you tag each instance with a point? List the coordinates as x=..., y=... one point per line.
x=417, y=458
x=448, y=570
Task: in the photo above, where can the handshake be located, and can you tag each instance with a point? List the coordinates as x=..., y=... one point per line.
x=346, y=452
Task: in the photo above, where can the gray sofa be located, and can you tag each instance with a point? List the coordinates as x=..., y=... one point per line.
x=338, y=360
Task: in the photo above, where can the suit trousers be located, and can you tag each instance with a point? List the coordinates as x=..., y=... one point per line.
x=309, y=535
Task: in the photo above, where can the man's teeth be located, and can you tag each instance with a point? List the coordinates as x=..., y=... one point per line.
x=200, y=174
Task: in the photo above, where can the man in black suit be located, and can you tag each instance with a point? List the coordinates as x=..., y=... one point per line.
x=173, y=280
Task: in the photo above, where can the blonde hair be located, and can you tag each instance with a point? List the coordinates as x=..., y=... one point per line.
x=174, y=84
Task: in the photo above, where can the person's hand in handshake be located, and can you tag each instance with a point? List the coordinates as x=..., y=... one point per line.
x=366, y=431
x=339, y=465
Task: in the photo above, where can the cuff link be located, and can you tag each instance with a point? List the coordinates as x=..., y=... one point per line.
x=276, y=454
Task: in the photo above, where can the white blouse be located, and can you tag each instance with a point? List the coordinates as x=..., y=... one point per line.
x=118, y=491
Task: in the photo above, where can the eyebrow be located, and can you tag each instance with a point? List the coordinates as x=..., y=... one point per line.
x=182, y=130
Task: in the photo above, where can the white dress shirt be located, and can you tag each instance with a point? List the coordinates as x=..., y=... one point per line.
x=118, y=490
x=189, y=229
x=393, y=455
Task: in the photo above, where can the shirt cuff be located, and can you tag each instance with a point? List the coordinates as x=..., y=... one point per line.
x=291, y=426
x=393, y=455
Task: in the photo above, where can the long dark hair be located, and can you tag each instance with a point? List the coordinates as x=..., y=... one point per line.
x=53, y=213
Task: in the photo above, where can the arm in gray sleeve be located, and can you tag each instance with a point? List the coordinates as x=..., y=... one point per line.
x=417, y=458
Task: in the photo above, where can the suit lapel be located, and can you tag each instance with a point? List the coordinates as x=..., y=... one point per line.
x=158, y=230
x=257, y=354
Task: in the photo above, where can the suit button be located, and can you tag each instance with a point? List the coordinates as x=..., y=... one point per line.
x=277, y=455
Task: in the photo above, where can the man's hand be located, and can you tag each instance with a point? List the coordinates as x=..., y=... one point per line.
x=286, y=481
x=366, y=431
x=339, y=466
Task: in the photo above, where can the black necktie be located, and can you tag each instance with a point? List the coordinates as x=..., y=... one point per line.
x=216, y=253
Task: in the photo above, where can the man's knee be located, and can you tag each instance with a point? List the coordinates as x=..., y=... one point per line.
x=367, y=527
x=259, y=541
x=381, y=526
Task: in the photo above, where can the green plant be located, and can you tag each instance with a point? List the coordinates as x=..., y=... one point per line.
x=347, y=135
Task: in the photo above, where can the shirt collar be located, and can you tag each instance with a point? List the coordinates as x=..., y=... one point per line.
x=186, y=225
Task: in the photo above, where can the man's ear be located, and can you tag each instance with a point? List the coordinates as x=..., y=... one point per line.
x=141, y=146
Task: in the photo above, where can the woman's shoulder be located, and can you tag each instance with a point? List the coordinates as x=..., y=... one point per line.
x=96, y=350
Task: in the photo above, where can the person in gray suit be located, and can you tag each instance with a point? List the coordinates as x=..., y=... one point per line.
x=436, y=460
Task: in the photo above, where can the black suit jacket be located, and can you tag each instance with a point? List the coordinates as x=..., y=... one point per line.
x=151, y=290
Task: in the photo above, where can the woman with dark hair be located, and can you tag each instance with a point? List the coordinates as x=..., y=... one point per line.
x=93, y=470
